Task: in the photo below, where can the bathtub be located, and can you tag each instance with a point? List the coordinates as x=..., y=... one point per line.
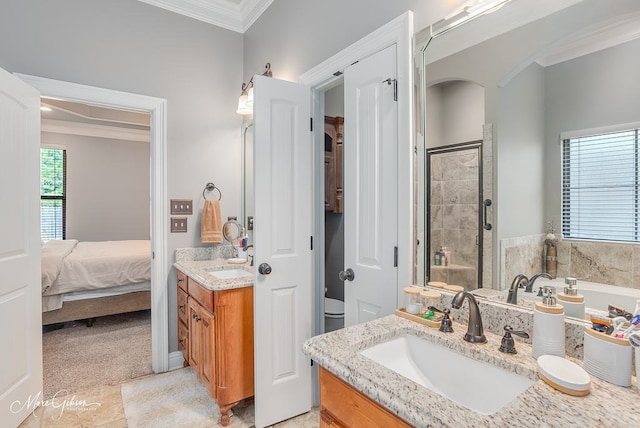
x=597, y=297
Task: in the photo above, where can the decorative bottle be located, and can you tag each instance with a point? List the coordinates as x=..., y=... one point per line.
x=572, y=301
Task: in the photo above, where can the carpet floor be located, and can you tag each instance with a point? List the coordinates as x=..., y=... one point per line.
x=117, y=348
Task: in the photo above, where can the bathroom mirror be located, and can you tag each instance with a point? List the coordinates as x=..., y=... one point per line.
x=232, y=231
x=573, y=70
x=247, y=209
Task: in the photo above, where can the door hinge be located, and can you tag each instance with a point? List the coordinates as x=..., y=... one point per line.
x=395, y=256
x=311, y=124
x=389, y=81
x=153, y=255
x=311, y=243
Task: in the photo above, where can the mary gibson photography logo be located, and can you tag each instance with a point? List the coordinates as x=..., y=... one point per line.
x=60, y=401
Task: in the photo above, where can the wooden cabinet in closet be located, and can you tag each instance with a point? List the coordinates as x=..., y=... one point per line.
x=333, y=163
x=219, y=342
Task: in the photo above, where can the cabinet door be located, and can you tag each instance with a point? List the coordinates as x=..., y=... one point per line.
x=207, y=362
x=182, y=306
x=194, y=336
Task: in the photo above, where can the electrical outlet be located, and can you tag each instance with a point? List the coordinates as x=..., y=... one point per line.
x=250, y=222
x=178, y=224
x=181, y=206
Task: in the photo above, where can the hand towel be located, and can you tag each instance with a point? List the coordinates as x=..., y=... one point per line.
x=211, y=223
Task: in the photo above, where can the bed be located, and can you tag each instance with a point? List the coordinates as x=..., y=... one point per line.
x=84, y=280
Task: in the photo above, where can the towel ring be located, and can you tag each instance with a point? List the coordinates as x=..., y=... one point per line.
x=210, y=187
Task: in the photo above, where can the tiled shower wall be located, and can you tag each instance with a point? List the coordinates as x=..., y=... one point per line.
x=454, y=220
x=599, y=262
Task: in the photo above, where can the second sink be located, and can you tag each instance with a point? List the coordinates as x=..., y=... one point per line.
x=476, y=385
x=229, y=273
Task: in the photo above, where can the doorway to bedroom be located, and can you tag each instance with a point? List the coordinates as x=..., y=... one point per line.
x=95, y=224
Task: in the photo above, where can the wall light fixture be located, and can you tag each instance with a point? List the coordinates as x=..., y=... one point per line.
x=245, y=101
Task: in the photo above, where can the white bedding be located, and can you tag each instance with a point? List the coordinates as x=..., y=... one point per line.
x=52, y=255
x=97, y=266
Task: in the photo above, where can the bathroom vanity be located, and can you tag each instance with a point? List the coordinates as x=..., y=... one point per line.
x=215, y=328
x=348, y=378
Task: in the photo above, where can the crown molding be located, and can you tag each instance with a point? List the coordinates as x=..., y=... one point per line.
x=227, y=14
x=93, y=130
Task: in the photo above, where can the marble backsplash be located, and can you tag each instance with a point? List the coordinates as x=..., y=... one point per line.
x=204, y=253
x=599, y=262
x=496, y=315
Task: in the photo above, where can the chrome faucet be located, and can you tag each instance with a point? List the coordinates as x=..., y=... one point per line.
x=529, y=288
x=475, y=332
x=520, y=281
x=246, y=248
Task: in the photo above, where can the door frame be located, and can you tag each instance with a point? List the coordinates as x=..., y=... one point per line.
x=157, y=107
x=323, y=77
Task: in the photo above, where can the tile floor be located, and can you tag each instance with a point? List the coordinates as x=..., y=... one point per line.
x=76, y=411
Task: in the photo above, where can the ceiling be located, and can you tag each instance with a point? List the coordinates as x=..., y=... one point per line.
x=234, y=15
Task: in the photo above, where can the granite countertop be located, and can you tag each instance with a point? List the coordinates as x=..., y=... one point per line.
x=540, y=405
x=197, y=269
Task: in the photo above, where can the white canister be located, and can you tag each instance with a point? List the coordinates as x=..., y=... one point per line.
x=637, y=352
x=548, y=330
x=608, y=358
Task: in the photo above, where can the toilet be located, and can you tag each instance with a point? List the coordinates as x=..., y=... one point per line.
x=333, y=314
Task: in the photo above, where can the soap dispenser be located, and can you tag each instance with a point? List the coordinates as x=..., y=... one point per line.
x=572, y=301
x=548, y=326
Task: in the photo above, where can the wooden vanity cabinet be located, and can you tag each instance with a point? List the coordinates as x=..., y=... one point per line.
x=341, y=405
x=183, y=323
x=219, y=347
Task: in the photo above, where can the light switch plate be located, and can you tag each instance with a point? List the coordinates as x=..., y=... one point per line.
x=181, y=206
x=178, y=224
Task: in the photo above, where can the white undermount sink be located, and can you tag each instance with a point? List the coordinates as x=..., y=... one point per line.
x=476, y=385
x=229, y=273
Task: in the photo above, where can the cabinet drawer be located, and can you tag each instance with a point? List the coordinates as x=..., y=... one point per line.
x=201, y=295
x=348, y=407
x=182, y=306
x=182, y=281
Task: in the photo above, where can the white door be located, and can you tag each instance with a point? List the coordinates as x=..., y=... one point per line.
x=370, y=187
x=20, y=291
x=282, y=239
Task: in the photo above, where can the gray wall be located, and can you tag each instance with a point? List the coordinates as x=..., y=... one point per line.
x=296, y=35
x=455, y=113
x=107, y=187
x=520, y=154
x=130, y=46
x=596, y=90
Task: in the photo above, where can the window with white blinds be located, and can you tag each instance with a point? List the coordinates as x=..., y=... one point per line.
x=53, y=194
x=600, y=176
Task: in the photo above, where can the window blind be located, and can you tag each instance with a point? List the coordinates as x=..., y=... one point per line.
x=53, y=174
x=600, y=177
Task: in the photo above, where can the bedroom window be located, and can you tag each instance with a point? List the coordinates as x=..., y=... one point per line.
x=600, y=177
x=53, y=177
